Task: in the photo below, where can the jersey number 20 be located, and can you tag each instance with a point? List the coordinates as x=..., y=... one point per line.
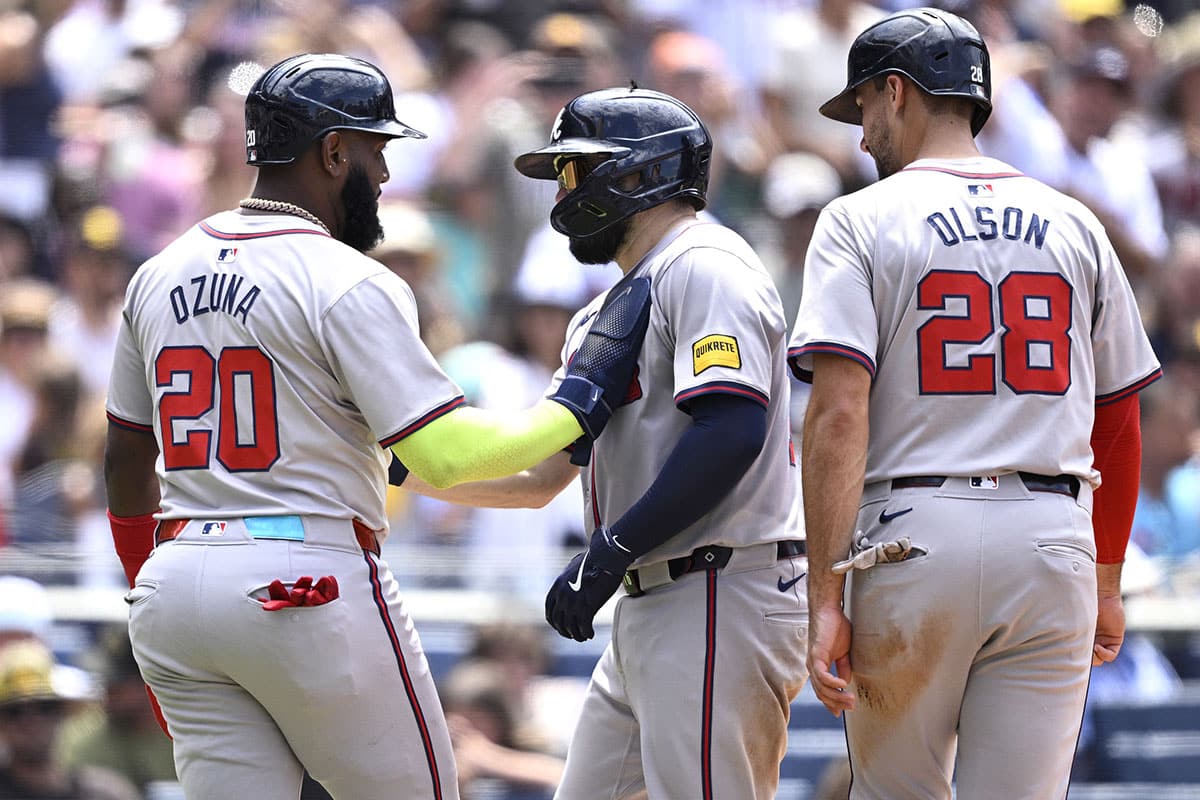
x=1035, y=345
x=239, y=373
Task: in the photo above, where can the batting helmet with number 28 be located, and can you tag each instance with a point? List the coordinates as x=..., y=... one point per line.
x=940, y=52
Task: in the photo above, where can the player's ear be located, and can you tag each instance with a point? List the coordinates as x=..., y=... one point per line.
x=333, y=153
x=894, y=91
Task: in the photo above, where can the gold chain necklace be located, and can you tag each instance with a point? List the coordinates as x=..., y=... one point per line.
x=261, y=204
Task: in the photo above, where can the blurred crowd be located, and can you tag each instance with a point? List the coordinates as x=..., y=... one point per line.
x=121, y=126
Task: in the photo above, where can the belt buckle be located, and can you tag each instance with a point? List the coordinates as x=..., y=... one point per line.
x=633, y=586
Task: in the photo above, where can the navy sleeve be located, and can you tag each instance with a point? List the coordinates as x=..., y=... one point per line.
x=712, y=455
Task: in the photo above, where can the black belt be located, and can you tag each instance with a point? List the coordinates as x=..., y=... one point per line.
x=711, y=557
x=1058, y=484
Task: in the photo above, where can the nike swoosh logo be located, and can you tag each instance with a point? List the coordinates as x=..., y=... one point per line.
x=885, y=518
x=578, y=582
x=783, y=585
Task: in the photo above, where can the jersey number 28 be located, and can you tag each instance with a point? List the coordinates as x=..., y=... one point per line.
x=239, y=373
x=1035, y=345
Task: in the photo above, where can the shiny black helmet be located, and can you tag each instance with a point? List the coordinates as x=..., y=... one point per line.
x=300, y=99
x=622, y=132
x=940, y=52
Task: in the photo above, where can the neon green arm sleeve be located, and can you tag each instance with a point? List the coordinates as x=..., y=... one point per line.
x=473, y=444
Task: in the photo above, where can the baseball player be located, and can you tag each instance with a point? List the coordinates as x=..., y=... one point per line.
x=264, y=368
x=691, y=496
x=975, y=356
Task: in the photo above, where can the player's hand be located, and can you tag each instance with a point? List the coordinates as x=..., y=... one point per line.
x=1110, y=629
x=829, y=632
x=598, y=376
x=585, y=585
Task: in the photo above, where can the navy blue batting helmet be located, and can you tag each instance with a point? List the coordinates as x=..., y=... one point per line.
x=300, y=99
x=628, y=132
x=938, y=51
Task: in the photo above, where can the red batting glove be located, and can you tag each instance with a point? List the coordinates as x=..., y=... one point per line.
x=302, y=593
x=300, y=590
x=325, y=590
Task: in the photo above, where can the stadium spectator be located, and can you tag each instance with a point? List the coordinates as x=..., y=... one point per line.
x=694, y=69
x=121, y=733
x=84, y=320
x=1108, y=175
x=491, y=760
x=409, y=249
x=24, y=317
x=32, y=710
x=1166, y=524
x=795, y=189
x=1174, y=150
x=29, y=99
x=806, y=50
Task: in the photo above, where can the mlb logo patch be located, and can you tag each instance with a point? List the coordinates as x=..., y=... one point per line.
x=226, y=255
x=985, y=481
x=213, y=528
x=979, y=190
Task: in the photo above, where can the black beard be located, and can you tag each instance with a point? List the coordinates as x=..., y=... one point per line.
x=602, y=247
x=360, y=229
x=885, y=157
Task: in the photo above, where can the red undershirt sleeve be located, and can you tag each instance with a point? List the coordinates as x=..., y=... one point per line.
x=1117, y=447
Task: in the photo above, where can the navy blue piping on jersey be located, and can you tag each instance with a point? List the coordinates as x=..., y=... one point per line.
x=833, y=348
x=409, y=690
x=137, y=427
x=238, y=237
x=710, y=679
x=1133, y=388
x=713, y=453
x=683, y=399
x=439, y=411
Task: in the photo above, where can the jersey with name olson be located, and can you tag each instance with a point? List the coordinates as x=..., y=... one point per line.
x=990, y=310
x=716, y=325
x=272, y=362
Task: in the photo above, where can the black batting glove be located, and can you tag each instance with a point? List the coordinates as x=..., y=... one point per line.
x=585, y=585
x=598, y=376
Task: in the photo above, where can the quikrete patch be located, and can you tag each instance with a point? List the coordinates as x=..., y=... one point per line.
x=715, y=350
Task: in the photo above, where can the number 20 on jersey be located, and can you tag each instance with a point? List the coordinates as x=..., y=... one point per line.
x=242, y=381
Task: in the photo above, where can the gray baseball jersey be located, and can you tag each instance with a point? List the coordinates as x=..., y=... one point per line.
x=716, y=326
x=993, y=316
x=274, y=364
x=972, y=292
x=271, y=361
x=723, y=650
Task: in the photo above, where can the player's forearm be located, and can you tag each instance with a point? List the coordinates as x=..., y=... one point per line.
x=473, y=444
x=530, y=488
x=833, y=465
x=1108, y=580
